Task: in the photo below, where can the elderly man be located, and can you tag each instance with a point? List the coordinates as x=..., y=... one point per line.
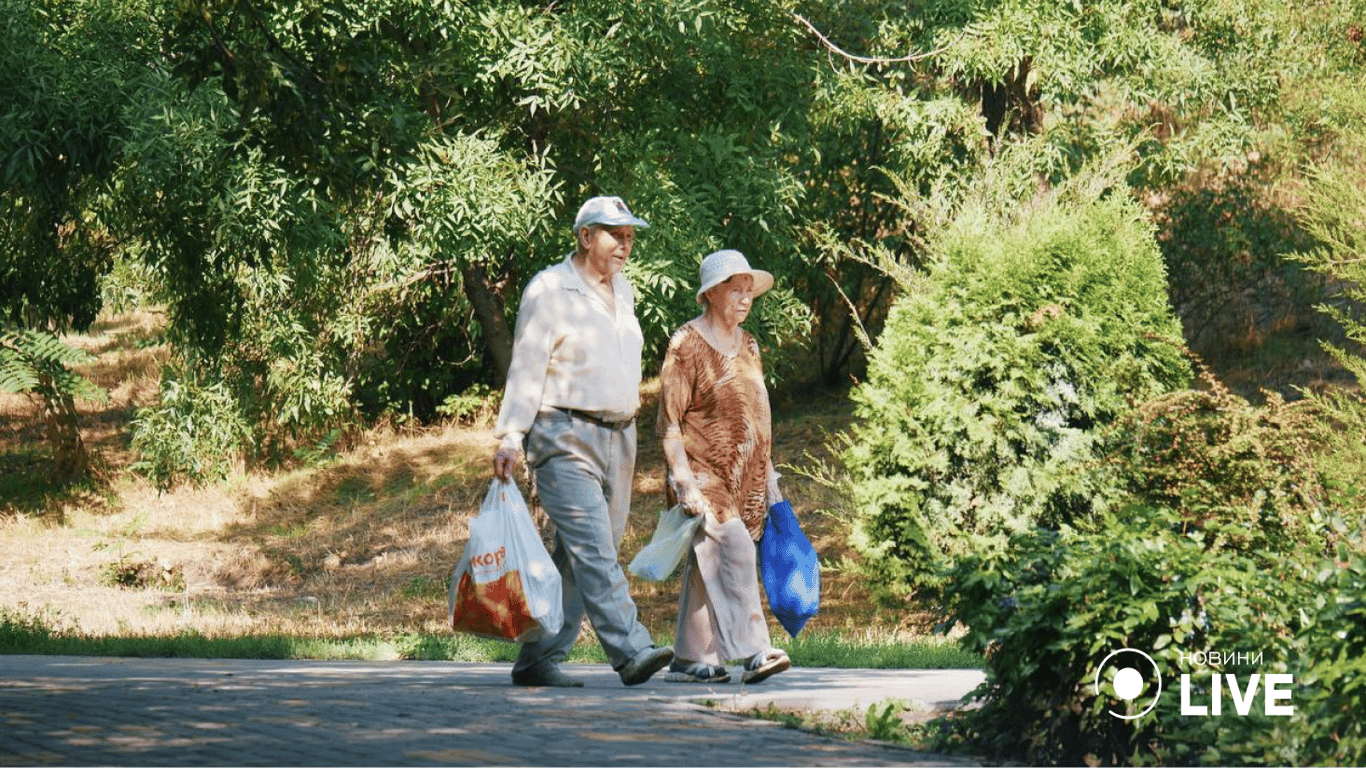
x=571, y=399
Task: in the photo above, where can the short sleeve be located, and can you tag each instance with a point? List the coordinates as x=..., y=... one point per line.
x=676, y=379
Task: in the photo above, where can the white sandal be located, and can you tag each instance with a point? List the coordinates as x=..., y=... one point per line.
x=762, y=666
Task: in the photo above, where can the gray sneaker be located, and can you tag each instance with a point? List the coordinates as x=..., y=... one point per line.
x=644, y=664
x=545, y=675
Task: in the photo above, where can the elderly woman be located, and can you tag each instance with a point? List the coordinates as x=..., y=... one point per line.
x=570, y=405
x=714, y=422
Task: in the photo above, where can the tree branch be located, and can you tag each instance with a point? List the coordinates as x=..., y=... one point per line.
x=867, y=59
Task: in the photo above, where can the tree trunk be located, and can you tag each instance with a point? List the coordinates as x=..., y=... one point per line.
x=1011, y=105
x=71, y=461
x=488, y=310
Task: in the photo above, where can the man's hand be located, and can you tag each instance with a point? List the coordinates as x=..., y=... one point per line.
x=505, y=461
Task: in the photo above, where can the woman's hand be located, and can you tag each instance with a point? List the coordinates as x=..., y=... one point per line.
x=774, y=495
x=689, y=493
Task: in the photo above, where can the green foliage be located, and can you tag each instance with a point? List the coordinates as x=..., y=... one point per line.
x=1333, y=214
x=1219, y=545
x=1241, y=477
x=1047, y=610
x=1332, y=672
x=884, y=725
x=67, y=70
x=478, y=403
x=324, y=195
x=39, y=363
x=194, y=434
x=339, y=203
x=990, y=389
x=321, y=451
x=1342, y=453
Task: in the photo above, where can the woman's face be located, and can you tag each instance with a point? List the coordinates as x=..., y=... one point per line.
x=606, y=249
x=729, y=302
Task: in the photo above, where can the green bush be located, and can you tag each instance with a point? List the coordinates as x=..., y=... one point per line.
x=1219, y=545
x=1328, y=724
x=1341, y=454
x=1333, y=215
x=1046, y=612
x=1242, y=477
x=990, y=387
x=1049, y=611
x=194, y=434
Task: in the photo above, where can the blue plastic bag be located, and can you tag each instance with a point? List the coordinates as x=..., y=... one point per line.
x=790, y=569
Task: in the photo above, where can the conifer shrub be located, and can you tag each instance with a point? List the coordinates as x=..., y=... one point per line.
x=1241, y=477
x=988, y=393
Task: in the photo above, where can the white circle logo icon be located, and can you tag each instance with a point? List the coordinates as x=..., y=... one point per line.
x=1129, y=682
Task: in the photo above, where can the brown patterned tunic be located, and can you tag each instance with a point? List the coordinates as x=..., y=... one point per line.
x=720, y=405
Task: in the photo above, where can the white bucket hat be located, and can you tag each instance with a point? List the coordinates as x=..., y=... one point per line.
x=608, y=211
x=723, y=265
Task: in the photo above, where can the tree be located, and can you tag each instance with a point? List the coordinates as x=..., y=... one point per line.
x=67, y=77
x=339, y=202
x=341, y=186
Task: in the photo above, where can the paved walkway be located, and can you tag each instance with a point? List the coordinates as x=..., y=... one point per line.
x=57, y=710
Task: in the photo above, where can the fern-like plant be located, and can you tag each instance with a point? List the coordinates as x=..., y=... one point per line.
x=38, y=363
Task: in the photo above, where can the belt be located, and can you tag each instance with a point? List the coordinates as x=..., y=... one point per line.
x=594, y=418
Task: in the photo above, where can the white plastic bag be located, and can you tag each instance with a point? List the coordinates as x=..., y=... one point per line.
x=505, y=587
x=658, y=560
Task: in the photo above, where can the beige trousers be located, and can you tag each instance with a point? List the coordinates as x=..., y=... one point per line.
x=720, y=614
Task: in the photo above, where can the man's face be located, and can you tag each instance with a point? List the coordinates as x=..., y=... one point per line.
x=607, y=248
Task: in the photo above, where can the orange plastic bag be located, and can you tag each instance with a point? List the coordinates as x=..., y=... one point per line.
x=505, y=587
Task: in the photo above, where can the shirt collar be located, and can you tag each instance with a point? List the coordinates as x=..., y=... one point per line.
x=577, y=283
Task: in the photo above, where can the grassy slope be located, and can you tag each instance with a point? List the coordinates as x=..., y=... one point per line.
x=360, y=544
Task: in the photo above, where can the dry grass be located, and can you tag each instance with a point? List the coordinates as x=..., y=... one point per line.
x=359, y=545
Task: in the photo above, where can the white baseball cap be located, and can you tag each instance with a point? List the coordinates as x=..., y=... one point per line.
x=721, y=266
x=608, y=211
